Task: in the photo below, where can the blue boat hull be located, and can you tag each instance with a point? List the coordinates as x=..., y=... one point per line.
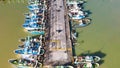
x=28, y=52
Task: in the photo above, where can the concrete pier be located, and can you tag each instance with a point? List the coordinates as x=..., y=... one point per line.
x=59, y=48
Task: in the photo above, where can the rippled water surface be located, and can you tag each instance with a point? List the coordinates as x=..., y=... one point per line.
x=102, y=37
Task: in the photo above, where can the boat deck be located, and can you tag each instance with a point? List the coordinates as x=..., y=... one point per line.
x=59, y=47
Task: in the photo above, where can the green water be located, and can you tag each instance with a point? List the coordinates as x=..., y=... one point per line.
x=11, y=20
x=104, y=33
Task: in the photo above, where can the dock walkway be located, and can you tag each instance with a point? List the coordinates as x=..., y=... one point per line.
x=60, y=47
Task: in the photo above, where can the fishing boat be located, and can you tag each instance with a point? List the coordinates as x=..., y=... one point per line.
x=31, y=46
x=28, y=57
x=75, y=11
x=86, y=59
x=33, y=7
x=31, y=15
x=84, y=22
x=31, y=24
x=36, y=32
x=34, y=22
x=25, y=42
x=30, y=51
x=28, y=41
x=23, y=63
x=90, y=65
x=75, y=15
x=63, y=67
x=81, y=23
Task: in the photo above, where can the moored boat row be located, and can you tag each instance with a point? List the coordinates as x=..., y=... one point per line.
x=76, y=13
x=35, y=20
x=79, y=18
x=87, y=61
x=31, y=49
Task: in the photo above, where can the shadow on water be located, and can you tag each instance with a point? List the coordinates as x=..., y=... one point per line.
x=87, y=12
x=73, y=50
x=97, y=53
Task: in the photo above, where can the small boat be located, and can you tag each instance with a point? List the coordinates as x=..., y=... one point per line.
x=36, y=32
x=31, y=46
x=33, y=22
x=33, y=2
x=63, y=67
x=86, y=59
x=33, y=7
x=28, y=57
x=32, y=26
x=81, y=23
x=90, y=65
x=75, y=11
x=77, y=14
x=29, y=51
x=23, y=63
x=85, y=22
x=31, y=15
x=33, y=41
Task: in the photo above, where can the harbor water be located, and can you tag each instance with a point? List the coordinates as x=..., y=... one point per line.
x=102, y=35
x=11, y=20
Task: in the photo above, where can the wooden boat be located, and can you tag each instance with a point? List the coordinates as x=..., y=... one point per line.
x=23, y=63
x=86, y=59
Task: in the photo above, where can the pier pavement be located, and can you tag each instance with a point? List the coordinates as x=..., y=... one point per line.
x=59, y=47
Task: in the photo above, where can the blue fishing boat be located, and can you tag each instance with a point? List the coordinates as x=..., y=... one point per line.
x=35, y=19
x=31, y=15
x=33, y=7
x=29, y=51
x=30, y=47
x=32, y=26
x=37, y=32
x=32, y=50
